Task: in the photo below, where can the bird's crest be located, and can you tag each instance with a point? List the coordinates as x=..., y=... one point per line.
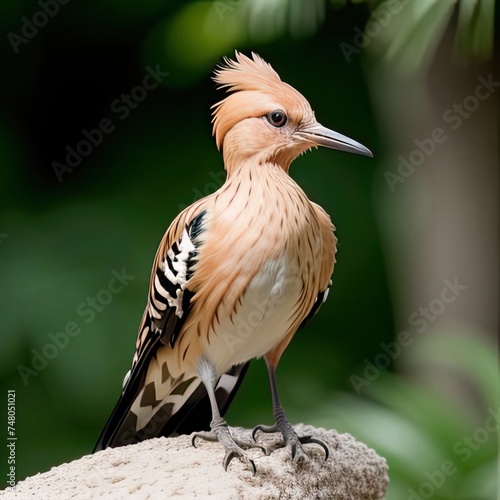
x=246, y=74
x=253, y=84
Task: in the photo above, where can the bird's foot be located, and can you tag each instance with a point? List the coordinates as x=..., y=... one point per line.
x=290, y=438
x=235, y=448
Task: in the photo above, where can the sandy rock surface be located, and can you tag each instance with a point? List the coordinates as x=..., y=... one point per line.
x=165, y=468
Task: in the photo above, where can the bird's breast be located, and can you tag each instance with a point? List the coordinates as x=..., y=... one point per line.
x=259, y=269
x=261, y=317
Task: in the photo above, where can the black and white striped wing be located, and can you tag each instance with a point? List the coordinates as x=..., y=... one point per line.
x=186, y=408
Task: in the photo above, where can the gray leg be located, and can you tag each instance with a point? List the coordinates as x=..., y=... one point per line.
x=283, y=425
x=219, y=428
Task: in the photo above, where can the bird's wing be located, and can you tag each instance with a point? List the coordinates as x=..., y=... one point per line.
x=328, y=249
x=185, y=407
x=320, y=300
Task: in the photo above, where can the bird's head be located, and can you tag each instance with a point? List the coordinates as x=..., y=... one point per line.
x=266, y=120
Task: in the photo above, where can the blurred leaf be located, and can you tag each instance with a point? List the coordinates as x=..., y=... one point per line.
x=412, y=36
x=475, y=30
x=201, y=32
x=418, y=427
x=269, y=19
x=196, y=37
x=455, y=350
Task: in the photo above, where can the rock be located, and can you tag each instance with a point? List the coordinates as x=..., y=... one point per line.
x=172, y=467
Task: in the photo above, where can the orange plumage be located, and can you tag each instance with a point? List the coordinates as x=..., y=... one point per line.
x=236, y=274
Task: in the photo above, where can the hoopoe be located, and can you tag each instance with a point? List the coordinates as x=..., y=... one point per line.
x=235, y=275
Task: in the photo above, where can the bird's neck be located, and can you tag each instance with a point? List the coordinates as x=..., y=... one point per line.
x=255, y=172
x=266, y=184
x=257, y=167
x=235, y=161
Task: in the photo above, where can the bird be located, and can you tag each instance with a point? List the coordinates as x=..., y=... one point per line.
x=236, y=274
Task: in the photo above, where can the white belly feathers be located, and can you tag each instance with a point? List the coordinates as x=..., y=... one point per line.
x=262, y=317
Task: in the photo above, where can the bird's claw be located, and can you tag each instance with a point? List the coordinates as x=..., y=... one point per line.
x=298, y=454
x=291, y=438
x=206, y=436
x=264, y=428
x=313, y=440
x=235, y=453
x=234, y=447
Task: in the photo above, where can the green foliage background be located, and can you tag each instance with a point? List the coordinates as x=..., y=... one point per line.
x=65, y=238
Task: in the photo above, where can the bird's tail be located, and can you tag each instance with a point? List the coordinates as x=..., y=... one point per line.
x=185, y=408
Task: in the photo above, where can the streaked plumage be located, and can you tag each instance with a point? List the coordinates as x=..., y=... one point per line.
x=236, y=273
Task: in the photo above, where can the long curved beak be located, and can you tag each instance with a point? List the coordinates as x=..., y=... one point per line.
x=322, y=136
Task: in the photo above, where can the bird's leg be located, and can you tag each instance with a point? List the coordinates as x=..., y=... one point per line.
x=283, y=425
x=219, y=429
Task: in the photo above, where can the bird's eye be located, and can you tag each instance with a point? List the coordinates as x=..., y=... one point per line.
x=277, y=118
